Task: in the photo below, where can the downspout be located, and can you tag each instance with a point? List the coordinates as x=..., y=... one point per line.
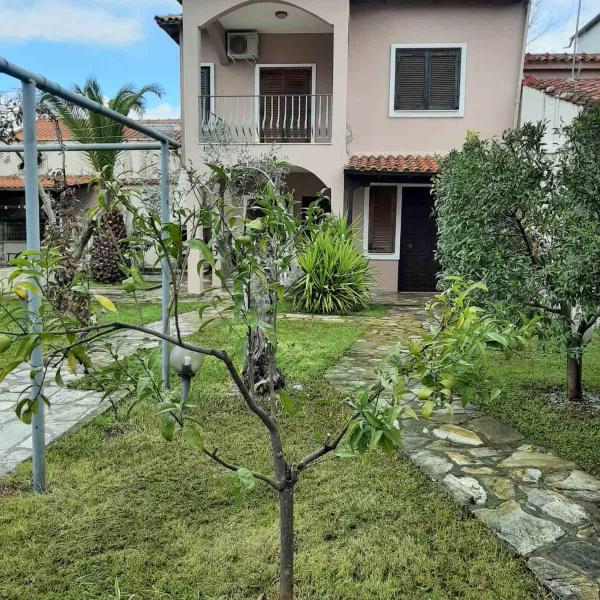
x=519, y=95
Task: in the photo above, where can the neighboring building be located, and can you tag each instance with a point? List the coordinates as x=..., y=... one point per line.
x=135, y=167
x=588, y=37
x=557, y=102
x=361, y=96
x=560, y=66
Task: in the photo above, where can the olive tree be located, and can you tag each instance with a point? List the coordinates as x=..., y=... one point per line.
x=527, y=224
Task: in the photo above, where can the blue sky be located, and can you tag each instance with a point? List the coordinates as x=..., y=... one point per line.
x=119, y=42
x=116, y=40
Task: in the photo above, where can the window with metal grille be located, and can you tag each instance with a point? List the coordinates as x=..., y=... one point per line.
x=427, y=79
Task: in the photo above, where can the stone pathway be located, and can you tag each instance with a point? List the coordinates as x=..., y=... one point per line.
x=68, y=407
x=544, y=507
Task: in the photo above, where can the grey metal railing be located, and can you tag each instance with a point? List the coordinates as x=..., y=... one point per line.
x=12, y=231
x=289, y=118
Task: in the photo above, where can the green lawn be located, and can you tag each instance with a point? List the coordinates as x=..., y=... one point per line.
x=123, y=503
x=527, y=382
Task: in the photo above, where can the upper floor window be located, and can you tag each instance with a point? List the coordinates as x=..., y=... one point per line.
x=427, y=80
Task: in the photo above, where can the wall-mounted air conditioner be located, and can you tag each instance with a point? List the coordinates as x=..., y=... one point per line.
x=242, y=45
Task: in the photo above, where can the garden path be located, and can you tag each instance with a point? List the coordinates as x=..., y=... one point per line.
x=544, y=507
x=68, y=407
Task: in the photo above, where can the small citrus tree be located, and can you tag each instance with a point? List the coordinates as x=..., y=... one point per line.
x=527, y=224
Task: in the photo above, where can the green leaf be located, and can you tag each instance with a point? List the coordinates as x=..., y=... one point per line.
x=428, y=409
x=286, y=402
x=193, y=435
x=245, y=478
x=424, y=393
x=106, y=303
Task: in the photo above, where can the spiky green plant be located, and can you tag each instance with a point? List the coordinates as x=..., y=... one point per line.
x=335, y=274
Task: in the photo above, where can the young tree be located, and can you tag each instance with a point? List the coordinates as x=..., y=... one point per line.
x=86, y=126
x=527, y=225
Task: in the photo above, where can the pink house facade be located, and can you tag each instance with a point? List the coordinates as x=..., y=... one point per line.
x=360, y=96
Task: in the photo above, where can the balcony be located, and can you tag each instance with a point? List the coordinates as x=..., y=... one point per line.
x=266, y=119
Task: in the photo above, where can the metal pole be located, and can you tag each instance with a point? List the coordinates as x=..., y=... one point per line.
x=33, y=243
x=77, y=147
x=576, y=40
x=165, y=217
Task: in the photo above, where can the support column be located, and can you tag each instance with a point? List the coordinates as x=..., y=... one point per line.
x=165, y=217
x=32, y=211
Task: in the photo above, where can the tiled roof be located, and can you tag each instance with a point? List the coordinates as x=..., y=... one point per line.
x=398, y=163
x=560, y=59
x=171, y=24
x=18, y=183
x=583, y=92
x=46, y=130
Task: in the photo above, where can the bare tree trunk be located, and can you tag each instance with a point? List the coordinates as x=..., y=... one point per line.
x=574, y=377
x=286, y=543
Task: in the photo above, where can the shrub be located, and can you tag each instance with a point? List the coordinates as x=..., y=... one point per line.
x=335, y=274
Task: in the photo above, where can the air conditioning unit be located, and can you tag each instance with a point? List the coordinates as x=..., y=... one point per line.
x=242, y=45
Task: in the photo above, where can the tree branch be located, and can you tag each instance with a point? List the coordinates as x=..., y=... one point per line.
x=213, y=455
x=325, y=449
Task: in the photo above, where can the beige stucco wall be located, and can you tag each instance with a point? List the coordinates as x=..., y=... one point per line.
x=493, y=34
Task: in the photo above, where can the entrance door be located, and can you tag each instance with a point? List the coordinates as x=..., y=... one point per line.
x=285, y=104
x=418, y=266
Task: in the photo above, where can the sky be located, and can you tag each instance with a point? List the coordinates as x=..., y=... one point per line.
x=119, y=42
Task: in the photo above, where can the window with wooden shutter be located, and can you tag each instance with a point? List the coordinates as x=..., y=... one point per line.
x=205, y=94
x=427, y=79
x=382, y=219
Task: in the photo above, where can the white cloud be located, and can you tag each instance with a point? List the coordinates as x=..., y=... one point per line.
x=163, y=110
x=67, y=21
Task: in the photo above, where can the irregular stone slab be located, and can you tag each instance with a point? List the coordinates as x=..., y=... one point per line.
x=478, y=470
x=556, y=505
x=521, y=530
x=527, y=475
x=458, y=435
x=579, y=481
x=459, y=458
x=496, y=432
x=581, y=556
x=467, y=490
x=564, y=582
x=524, y=457
x=432, y=463
x=501, y=487
x=485, y=453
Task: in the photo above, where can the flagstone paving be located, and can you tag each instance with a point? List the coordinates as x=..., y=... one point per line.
x=68, y=407
x=544, y=507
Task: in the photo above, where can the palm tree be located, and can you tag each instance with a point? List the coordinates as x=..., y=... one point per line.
x=87, y=127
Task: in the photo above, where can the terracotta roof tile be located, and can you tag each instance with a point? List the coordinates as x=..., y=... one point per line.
x=171, y=24
x=46, y=130
x=18, y=183
x=583, y=92
x=564, y=58
x=400, y=163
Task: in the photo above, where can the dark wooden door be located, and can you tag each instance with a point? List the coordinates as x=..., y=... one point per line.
x=285, y=104
x=418, y=266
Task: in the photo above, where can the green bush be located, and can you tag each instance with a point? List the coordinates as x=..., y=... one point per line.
x=335, y=274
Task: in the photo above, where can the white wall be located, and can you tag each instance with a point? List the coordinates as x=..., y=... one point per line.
x=537, y=106
x=590, y=41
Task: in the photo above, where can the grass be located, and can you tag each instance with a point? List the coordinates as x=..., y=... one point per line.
x=373, y=310
x=124, y=504
x=527, y=384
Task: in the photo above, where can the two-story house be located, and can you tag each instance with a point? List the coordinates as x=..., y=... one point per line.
x=361, y=95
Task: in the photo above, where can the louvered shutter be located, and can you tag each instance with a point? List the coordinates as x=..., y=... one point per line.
x=444, y=79
x=205, y=94
x=382, y=219
x=411, y=80
x=285, y=104
x=427, y=79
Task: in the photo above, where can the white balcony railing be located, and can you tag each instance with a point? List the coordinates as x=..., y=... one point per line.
x=264, y=119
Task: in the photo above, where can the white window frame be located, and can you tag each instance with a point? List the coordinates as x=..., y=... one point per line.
x=211, y=67
x=428, y=113
x=367, y=193
x=313, y=87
